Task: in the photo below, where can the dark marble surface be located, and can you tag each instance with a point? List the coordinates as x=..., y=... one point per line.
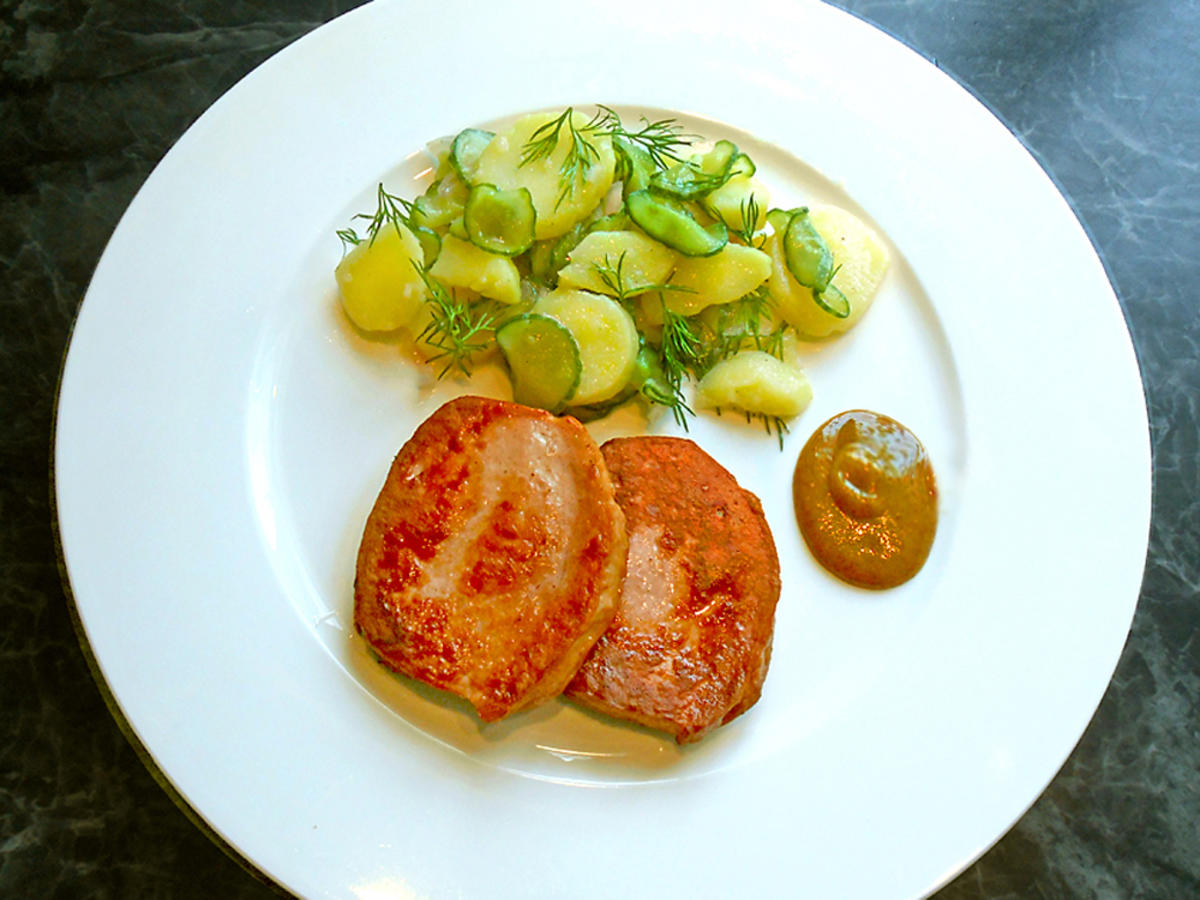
x=1106, y=93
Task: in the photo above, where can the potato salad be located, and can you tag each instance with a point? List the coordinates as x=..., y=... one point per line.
x=607, y=263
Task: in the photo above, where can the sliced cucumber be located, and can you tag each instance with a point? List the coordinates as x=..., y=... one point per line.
x=808, y=257
x=441, y=203
x=697, y=178
x=561, y=251
x=543, y=360
x=635, y=166
x=500, y=221
x=607, y=338
x=778, y=220
x=618, y=221
x=539, y=263
x=719, y=159
x=674, y=226
x=742, y=165
x=833, y=301
x=430, y=241
x=465, y=151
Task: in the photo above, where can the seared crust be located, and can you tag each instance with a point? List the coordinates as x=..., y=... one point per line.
x=493, y=557
x=691, y=641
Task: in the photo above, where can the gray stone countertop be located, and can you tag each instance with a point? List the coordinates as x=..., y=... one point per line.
x=1106, y=95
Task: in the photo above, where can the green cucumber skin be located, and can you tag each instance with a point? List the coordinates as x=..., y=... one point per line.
x=675, y=227
x=808, y=257
x=809, y=260
x=468, y=144
x=514, y=207
x=509, y=337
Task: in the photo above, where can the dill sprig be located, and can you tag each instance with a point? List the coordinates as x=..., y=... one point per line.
x=680, y=351
x=456, y=329
x=389, y=209
x=772, y=424
x=739, y=325
x=581, y=152
x=670, y=396
x=749, y=211
x=613, y=277
x=660, y=139
x=349, y=238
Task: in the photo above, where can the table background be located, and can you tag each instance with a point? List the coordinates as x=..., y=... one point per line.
x=1105, y=93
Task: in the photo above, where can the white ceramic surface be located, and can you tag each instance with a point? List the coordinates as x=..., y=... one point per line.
x=222, y=433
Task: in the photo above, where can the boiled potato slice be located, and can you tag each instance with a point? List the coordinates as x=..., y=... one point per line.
x=863, y=261
x=725, y=276
x=462, y=264
x=642, y=260
x=756, y=382
x=607, y=339
x=500, y=164
x=733, y=197
x=379, y=285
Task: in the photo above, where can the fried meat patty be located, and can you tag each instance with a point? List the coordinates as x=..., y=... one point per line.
x=689, y=646
x=493, y=557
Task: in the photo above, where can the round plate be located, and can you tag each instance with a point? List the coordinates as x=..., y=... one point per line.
x=222, y=432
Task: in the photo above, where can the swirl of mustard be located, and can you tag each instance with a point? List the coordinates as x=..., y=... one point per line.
x=866, y=499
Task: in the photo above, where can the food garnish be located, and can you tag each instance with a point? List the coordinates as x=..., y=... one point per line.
x=658, y=255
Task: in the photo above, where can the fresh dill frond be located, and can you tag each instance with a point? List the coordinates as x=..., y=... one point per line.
x=682, y=348
x=349, y=238
x=772, y=425
x=670, y=396
x=581, y=153
x=660, y=139
x=456, y=329
x=772, y=342
x=749, y=210
x=389, y=209
x=739, y=326
x=613, y=277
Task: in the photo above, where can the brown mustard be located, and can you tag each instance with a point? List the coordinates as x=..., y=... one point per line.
x=866, y=499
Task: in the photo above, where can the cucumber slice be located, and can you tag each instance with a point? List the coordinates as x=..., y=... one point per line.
x=430, y=241
x=718, y=160
x=742, y=165
x=465, y=151
x=543, y=360
x=539, y=263
x=635, y=165
x=778, y=220
x=561, y=251
x=833, y=301
x=500, y=221
x=441, y=203
x=674, y=226
x=618, y=221
x=697, y=178
x=808, y=257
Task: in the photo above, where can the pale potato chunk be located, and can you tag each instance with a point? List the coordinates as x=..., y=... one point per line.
x=500, y=164
x=863, y=260
x=462, y=264
x=607, y=339
x=725, y=276
x=642, y=261
x=378, y=283
x=756, y=382
x=732, y=199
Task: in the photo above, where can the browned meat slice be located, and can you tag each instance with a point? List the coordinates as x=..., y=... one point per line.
x=689, y=646
x=493, y=557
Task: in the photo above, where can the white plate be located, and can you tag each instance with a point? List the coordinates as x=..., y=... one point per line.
x=222, y=433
